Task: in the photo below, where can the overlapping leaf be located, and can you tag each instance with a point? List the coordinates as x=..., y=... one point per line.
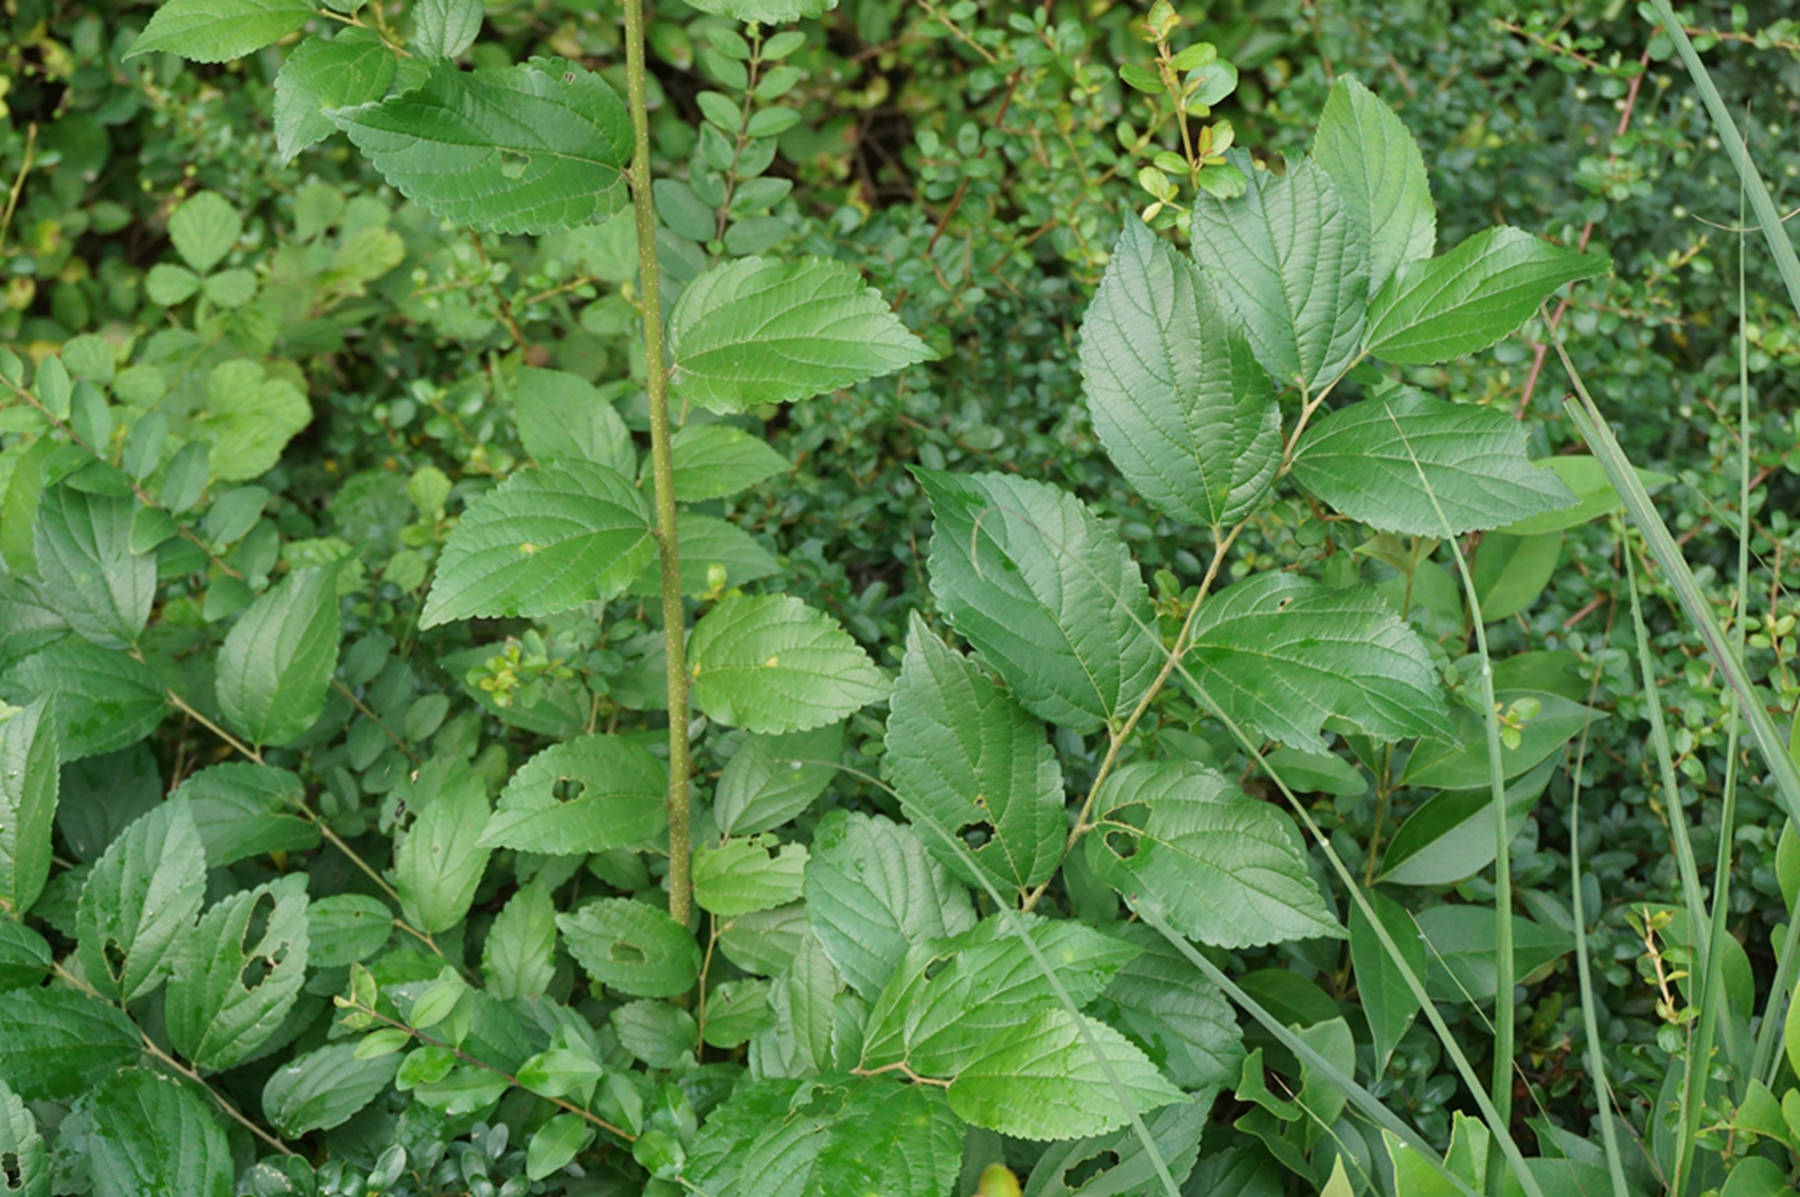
x=30, y=778
x=104, y=699
x=441, y=860
x=1375, y=165
x=634, y=948
x=87, y=569
x=218, y=30
x=324, y=1088
x=238, y=974
x=771, y=779
x=278, y=658
x=771, y=663
x=352, y=68
x=147, y=1133
x=140, y=902
x=57, y=1040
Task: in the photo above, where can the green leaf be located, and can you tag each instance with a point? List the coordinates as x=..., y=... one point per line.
x=1366, y=461
x=30, y=779
x=756, y=331
x=1387, y=1003
x=1459, y=760
x=771, y=779
x=148, y=1133
x=441, y=860
x=555, y=1143
x=1042, y=1080
x=1180, y=1021
x=167, y=284
x=206, y=226
x=1594, y=494
x=1472, y=296
x=345, y=928
x=25, y=956
x=57, y=1041
x=872, y=891
x=1460, y=940
x=140, y=901
x=1045, y=592
x=1176, y=395
x=659, y=1034
x=244, y=810
x=103, y=699
x=1511, y=571
x=277, y=660
x=802, y=1037
x=547, y=539
x=530, y=148
x=712, y=461
x=590, y=794
x=86, y=568
x=1380, y=177
x=768, y=12
x=561, y=415
x=1118, y=1164
x=248, y=419
x=1294, y=266
x=352, y=68
x=967, y=761
x=239, y=974
x=22, y=1148
x=739, y=875
x=634, y=948
x=1228, y=868
x=1450, y=837
x=324, y=1088
x=773, y=664
x=218, y=30
x=707, y=542
x=444, y=28
x=1280, y=654
x=518, y=960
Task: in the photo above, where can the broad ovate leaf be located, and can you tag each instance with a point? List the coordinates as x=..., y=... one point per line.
x=547, y=539
x=56, y=1041
x=771, y=663
x=767, y=12
x=1227, y=868
x=1410, y=463
x=277, y=660
x=440, y=862
x=529, y=148
x=239, y=974
x=86, y=568
x=519, y=958
x=1176, y=395
x=103, y=699
x=590, y=794
x=444, y=28
x=711, y=461
x=1380, y=177
x=140, y=902
x=352, y=68
x=1180, y=1020
x=1470, y=297
x=631, y=947
x=771, y=779
x=30, y=777
x=22, y=1147
x=324, y=1088
x=757, y=331
x=245, y=810
x=150, y=1133
x=563, y=415
x=738, y=876
x=219, y=30
x=1045, y=592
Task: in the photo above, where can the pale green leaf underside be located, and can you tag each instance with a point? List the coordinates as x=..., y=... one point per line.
x=1045, y=592
x=232, y=987
x=347, y=70
x=147, y=1133
x=739, y=876
x=756, y=331
x=219, y=30
x=30, y=778
x=770, y=663
x=277, y=660
x=591, y=794
x=1176, y=395
x=1366, y=461
x=140, y=902
x=1294, y=266
x=529, y=148
x=1279, y=654
x=559, y=415
x=1227, y=867
x=547, y=539
x=1471, y=296
x=1380, y=177
x=519, y=958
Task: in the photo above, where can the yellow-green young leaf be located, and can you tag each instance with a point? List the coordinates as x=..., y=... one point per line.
x=238, y=974
x=352, y=68
x=1380, y=177
x=773, y=664
x=1119, y=1163
x=1176, y=395
x=563, y=415
x=1294, y=266
x=443, y=28
x=1228, y=868
x=739, y=876
x=278, y=658
x=1041, y=1079
x=547, y=539
x=218, y=30
x=967, y=761
x=1045, y=592
x=634, y=948
x=204, y=229
x=140, y=902
x=1280, y=654
x=103, y=700
x=1383, y=461
x=441, y=860
x=591, y=794
x=86, y=569
x=756, y=331
x=248, y=419
x=771, y=779
x=324, y=1088
x=1471, y=296
x=712, y=461
x=518, y=960
x=149, y=1133
x=57, y=1040
x=22, y=1147
x=245, y=810
x=30, y=777
x=530, y=148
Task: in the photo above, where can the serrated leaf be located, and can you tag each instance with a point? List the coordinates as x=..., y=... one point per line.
x=248, y=419
x=30, y=779
x=441, y=860
x=139, y=902
x=591, y=794
x=345, y=928
x=317, y=75
x=1280, y=654
x=518, y=960
x=1472, y=296
x=22, y=1148
x=1042, y=1080
x=244, y=810
x=633, y=948
x=771, y=663
x=756, y=331
x=1293, y=264
x=967, y=761
x=561, y=415
x=1381, y=990
x=738, y=876
x=56, y=1041
x=148, y=1133
x=1161, y=1003
x=712, y=461
x=239, y=974
x=25, y=956
x=1379, y=175
x=1227, y=868
x=1118, y=1164
x=547, y=539
x=86, y=568
x=218, y=30
x=444, y=28
x=872, y=891
x=530, y=148
x=324, y=1088
x=802, y=1037
x=768, y=12
x=706, y=542
x=277, y=660
x=1366, y=461
x=1045, y=592
x=771, y=779
x=103, y=699
x=206, y=226
x=1176, y=395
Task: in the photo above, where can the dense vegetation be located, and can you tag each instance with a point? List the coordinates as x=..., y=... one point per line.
x=769, y=597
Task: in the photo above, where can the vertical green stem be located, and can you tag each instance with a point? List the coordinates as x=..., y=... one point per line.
x=661, y=469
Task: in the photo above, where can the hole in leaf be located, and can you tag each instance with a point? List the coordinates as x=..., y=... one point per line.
x=1084, y=1172
x=976, y=834
x=13, y=1171
x=513, y=164
x=566, y=789
x=256, y=927
x=1122, y=844
x=113, y=953
x=625, y=953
